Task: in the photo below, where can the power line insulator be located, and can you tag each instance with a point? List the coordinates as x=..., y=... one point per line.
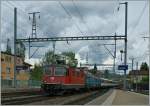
x=118, y=8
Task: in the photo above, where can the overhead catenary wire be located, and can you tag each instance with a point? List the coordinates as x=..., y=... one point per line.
x=139, y=18
x=21, y=12
x=115, y=11
x=11, y=6
x=70, y=16
x=81, y=17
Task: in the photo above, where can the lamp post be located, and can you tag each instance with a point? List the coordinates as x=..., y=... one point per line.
x=121, y=51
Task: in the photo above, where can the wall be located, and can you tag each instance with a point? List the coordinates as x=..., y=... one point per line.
x=7, y=74
x=7, y=67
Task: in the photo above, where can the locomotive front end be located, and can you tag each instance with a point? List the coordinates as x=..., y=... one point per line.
x=53, y=79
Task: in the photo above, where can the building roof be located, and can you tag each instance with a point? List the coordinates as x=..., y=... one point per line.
x=10, y=54
x=17, y=56
x=139, y=72
x=27, y=64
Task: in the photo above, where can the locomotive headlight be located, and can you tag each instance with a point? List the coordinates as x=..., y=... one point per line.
x=51, y=78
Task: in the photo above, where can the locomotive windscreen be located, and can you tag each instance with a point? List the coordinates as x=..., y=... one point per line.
x=60, y=71
x=48, y=70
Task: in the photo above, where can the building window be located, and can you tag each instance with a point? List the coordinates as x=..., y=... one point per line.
x=8, y=70
x=8, y=59
x=2, y=60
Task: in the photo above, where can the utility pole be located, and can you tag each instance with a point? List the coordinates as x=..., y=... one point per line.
x=115, y=55
x=87, y=58
x=136, y=75
x=125, y=49
x=8, y=49
x=54, y=51
x=137, y=65
x=15, y=37
x=148, y=37
x=132, y=59
x=34, y=35
x=121, y=51
x=29, y=47
x=34, y=23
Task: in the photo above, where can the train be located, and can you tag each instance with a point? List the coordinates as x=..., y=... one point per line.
x=63, y=78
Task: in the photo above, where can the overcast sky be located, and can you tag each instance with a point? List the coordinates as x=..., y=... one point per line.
x=83, y=18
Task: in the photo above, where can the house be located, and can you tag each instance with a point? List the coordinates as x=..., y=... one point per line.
x=137, y=78
x=7, y=70
x=138, y=75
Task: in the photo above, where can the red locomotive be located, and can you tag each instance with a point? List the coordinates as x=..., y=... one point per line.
x=60, y=78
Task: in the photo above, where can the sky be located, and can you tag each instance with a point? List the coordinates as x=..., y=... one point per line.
x=80, y=18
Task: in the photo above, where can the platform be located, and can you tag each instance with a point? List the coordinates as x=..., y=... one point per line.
x=120, y=97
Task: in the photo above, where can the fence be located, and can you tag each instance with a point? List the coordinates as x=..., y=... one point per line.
x=6, y=83
x=34, y=83
x=21, y=83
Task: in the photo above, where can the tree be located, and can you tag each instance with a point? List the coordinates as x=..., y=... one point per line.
x=144, y=66
x=20, y=49
x=48, y=58
x=70, y=57
x=36, y=73
x=106, y=73
x=8, y=49
x=70, y=54
x=145, y=80
x=94, y=71
x=95, y=67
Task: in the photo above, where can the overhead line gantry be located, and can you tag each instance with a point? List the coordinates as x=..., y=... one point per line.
x=71, y=38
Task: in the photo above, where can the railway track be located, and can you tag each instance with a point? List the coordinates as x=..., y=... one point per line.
x=67, y=99
x=75, y=99
x=20, y=96
x=86, y=99
x=5, y=94
x=22, y=99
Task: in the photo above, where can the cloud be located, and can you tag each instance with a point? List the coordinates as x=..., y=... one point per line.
x=101, y=19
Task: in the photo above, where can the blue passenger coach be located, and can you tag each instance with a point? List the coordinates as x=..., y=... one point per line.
x=92, y=81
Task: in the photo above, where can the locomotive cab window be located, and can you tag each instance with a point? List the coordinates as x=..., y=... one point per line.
x=48, y=70
x=73, y=73
x=67, y=73
x=60, y=71
x=78, y=74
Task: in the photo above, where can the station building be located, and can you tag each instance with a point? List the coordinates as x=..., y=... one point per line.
x=7, y=70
